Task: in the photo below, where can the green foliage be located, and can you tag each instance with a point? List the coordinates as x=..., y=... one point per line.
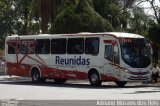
x=80, y=18
x=91, y=20
x=112, y=10
x=6, y=16
x=139, y=23
x=73, y=16
x=22, y=16
x=66, y=22
x=154, y=33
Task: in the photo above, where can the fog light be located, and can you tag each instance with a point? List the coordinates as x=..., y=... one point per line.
x=126, y=71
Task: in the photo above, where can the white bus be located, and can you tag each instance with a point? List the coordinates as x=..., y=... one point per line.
x=110, y=56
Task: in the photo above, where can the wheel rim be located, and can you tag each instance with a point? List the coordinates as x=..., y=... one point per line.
x=94, y=78
x=35, y=76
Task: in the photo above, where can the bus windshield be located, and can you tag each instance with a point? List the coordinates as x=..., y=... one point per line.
x=135, y=52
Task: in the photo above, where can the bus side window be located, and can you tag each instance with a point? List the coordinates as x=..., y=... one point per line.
x=11, y=50
x=92, y=46
x=75, y=46
x=109, y=52
x=24, y=48
x=116, y=54
x=43, y=46
x=28, y=46
x=58, y=46
x=13, y=47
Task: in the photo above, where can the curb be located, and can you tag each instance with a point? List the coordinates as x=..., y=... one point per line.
x=8, y=78
x=2, y=73
x=12, y=78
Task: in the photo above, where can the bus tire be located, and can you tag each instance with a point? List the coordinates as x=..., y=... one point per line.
x=94, y=78
x=60, y=81
x=121, y=83
x=42, y=80
x=35, y=75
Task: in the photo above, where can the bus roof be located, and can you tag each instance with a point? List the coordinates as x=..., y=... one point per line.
x=125, y=35
x=115, y=34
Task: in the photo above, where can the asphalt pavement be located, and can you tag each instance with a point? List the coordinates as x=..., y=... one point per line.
x=20, y=94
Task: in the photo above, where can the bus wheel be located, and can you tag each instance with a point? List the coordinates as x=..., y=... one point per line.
x=35, y=76
x=60, y=81
x=94, y=79
x=121, y=83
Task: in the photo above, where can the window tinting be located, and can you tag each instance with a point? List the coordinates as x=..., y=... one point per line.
x=58, y=46
x=42, y=46
x=109, y=52
x=92, y=46
x=75, y=46
x=13, y=47
x=11, y=50
x=27, y=46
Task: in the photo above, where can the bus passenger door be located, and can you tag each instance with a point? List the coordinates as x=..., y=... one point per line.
x=111, y=62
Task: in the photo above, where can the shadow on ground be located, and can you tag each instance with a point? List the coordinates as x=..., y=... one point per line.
x=82, y=84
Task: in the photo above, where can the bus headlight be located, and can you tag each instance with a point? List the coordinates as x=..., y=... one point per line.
x=126, y=71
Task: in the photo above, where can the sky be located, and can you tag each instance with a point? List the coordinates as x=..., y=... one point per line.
x=147, y=5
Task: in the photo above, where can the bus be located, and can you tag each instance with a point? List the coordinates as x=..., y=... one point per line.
x=96, y=57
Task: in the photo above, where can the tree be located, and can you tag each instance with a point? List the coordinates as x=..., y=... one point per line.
x=22, y=11
x=128, y=3
x=6, y=16
x=115, y=11
x=66, y=21
x=45, y=11
x=80, y=17
x=110, y=10
x=156, y=9
x=154, y=6
x=154, y=35
x=139, y=22
x=89, y=17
